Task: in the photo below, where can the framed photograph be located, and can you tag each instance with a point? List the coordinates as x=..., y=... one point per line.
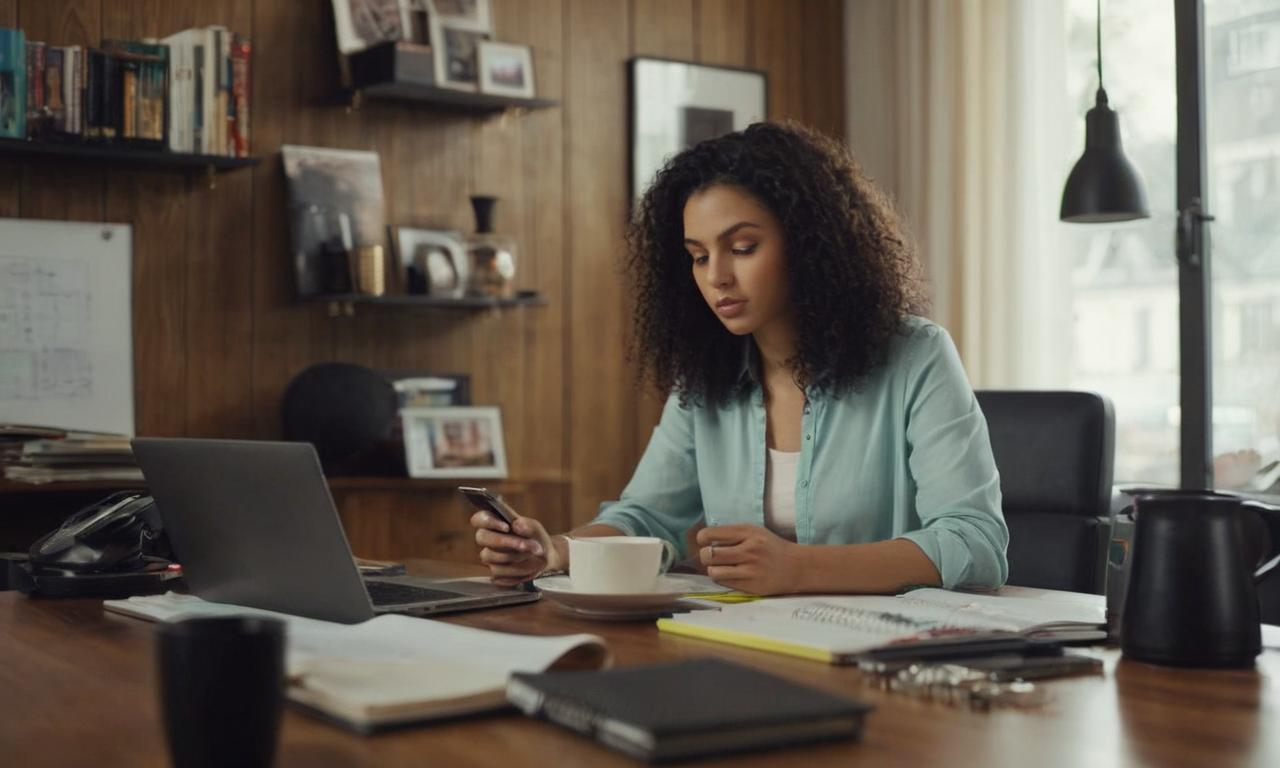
x=454, y=442
x=461, y=14
x=676, y=104
x=453, y=52
x=432, y=261
x=506, y=69
x=359, y=24
x=420, y=389
x=335, y=206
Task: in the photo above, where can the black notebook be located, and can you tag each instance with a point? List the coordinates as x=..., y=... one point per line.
x=686, y=709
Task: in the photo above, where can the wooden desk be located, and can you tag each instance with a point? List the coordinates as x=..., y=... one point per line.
x=78, y=688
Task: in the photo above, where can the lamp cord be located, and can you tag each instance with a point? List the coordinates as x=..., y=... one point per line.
x=1098, y=28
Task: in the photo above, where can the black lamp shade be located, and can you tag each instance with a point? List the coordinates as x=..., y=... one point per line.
x=1103, y=186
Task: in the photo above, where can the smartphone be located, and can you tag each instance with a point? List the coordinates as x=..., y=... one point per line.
x=492, y=503
x=481, y=498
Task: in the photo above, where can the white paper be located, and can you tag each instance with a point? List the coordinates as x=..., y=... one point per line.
x=386, y=659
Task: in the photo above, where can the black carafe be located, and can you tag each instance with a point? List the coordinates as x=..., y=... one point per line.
x=1192, y=597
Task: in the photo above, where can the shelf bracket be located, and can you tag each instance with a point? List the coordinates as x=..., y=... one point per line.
x=357, y=100
x=211, y=174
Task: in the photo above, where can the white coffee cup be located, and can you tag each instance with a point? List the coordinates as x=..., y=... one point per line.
x=618, y=565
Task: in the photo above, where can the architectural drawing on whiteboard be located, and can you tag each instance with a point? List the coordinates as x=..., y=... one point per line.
x=45, y=312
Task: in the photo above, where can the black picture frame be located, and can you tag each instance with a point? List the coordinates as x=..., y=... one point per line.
x=665, y=119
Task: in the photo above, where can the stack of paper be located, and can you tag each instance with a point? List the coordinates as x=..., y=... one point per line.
x=393, y=669
x=76, y=457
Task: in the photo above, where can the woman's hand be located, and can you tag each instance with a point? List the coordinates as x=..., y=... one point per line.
x=750, y=558
x=515, y=556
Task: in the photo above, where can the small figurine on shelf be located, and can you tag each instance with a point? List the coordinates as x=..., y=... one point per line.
x=491, y=257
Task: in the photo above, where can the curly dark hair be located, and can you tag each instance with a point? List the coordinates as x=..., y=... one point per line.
x=852, y=272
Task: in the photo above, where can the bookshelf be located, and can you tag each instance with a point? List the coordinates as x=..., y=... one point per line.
x=118, y=155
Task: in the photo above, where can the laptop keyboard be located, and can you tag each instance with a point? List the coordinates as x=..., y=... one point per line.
x=384, y=593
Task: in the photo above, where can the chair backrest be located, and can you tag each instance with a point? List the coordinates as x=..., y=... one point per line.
x=1055, y=452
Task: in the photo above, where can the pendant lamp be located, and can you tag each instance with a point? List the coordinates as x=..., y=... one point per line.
x=1103, y=186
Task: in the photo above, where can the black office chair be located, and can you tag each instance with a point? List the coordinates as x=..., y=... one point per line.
x=1055, y=452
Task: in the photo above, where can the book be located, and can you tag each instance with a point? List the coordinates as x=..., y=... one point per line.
x=183, y=49
x=393, y=669
x=13, y=84
x=838, y=628
x=35, y=87
x=241, y=50
x=144, y=76
x=687, y=709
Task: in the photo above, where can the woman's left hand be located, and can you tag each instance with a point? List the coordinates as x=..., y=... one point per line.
x=750, y=558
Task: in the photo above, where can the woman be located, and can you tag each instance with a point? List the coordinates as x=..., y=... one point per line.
x=828, y=436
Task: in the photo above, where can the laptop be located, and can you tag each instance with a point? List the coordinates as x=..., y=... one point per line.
x=252, y=523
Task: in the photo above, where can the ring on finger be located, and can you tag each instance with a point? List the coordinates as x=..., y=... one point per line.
x=711, y=558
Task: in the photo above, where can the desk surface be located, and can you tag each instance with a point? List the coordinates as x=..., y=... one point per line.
x=78, y=687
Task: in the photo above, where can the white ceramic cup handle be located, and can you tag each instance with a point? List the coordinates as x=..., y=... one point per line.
x=668, y=556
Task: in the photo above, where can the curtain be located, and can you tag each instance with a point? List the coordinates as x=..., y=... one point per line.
x=950, y=106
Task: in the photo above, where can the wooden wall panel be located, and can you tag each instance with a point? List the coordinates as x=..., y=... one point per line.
x=662, y=28
x=218, y=333
x=596, y=199
x=541, y=232
x=287, y=336
x=777, y=47
x=823, y=66
x=723, y=33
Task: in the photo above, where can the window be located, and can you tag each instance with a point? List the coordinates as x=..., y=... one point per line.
x=1123, y=286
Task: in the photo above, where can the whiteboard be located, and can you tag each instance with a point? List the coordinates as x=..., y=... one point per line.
x=66, y=325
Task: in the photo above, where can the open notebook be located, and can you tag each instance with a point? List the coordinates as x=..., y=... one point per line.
x=393, y=669
x=837, y=628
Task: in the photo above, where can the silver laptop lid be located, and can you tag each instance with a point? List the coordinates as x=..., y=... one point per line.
x=252, y=523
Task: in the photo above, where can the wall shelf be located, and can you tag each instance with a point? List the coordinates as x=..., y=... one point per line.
x=344, y=303
x=120, y=155
x=448, y=98
x=402, y=71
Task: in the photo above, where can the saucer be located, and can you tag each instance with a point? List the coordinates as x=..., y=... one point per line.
x=669, y=589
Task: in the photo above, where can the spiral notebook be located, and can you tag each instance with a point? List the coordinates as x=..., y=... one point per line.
x=837, y=628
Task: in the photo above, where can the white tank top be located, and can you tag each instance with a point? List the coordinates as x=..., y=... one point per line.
x=780, y=493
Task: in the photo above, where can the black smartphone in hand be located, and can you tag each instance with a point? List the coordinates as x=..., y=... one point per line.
x=482, y=499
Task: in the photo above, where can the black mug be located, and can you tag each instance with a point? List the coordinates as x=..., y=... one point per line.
x=1191, y=597
x=221, y=690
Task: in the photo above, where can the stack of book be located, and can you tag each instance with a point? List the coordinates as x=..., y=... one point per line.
x=186, y=93
x=71, y=456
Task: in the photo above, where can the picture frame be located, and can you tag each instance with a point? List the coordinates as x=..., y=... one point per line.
x=676, y=104
x=505, y=69
x=429, y=389
x=432, y=261
x=360, y=24
x=474, y=15
x=335, y=205
x=453, y=54
x=454, y=442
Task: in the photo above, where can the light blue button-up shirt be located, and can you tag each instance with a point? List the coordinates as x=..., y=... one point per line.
x=905, y=456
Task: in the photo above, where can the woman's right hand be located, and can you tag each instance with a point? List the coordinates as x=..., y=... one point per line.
x=515, y=556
